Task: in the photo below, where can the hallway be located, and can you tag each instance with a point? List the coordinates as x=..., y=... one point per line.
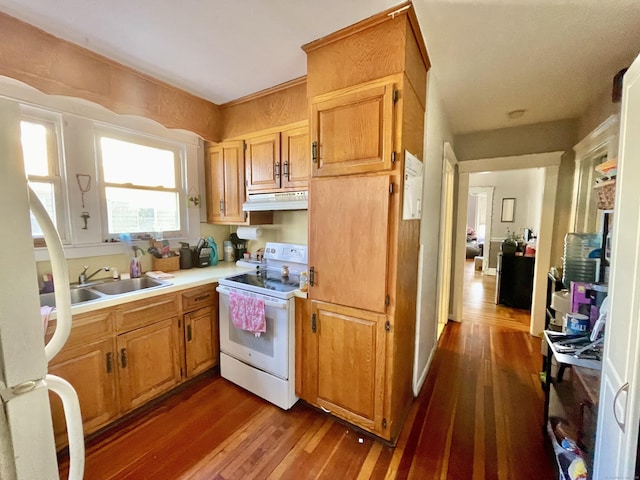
x=478, y=416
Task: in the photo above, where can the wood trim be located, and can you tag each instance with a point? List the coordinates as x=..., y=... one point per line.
x=58, y=67
x=267, y=91
x=357, y=27
x=268, y=131
x=415, y=26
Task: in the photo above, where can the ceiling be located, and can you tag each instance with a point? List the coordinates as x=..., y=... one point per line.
x=551, y=58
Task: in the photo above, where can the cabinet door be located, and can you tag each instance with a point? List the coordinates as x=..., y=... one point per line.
x=149, y=362
x=296, y=158
x=350, y=364
x=262, y=163
x=201, y=340
x=349, y=240
x=352, y=132
x=91, y=370
x=214, y=173
x=225, y=183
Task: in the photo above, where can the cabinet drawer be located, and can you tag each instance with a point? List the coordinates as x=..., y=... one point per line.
x=199, y=297
x=143, y=312
x=87, y=327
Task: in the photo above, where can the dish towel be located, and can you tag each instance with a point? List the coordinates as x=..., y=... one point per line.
x=247, y=313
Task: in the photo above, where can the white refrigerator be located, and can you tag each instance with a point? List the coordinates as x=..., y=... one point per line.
x=27, y=446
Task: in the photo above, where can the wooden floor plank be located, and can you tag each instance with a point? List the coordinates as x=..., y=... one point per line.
x=478, y=416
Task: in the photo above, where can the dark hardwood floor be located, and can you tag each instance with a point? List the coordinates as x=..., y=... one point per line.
x=478, y=416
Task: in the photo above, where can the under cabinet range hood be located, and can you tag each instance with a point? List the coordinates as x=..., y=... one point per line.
x=276, y=201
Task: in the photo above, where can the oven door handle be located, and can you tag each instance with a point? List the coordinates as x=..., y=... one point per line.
x=268, y=301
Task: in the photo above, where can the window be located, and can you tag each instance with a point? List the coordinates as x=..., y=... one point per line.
x=142, y=185
x=39, y=140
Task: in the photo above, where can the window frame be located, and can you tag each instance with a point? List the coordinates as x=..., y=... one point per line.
x=57, y=170
x=180, y=172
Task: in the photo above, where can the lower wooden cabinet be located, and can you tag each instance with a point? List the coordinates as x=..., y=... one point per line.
x=119, y=358
x=92, y=370
x=342, y=362
x=149, y=362
x=201, y=340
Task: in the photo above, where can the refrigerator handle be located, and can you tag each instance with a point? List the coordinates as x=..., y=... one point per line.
x=73, y=419
x=60, y=277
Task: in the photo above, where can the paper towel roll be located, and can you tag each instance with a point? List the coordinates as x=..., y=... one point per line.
x=249, y=233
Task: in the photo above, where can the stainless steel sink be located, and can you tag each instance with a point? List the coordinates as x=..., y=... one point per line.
x=78, y=295
x=129, y=285
x=94, y=291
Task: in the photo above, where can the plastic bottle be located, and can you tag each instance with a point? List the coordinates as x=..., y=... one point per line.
x=213, y=256
x=304, y=282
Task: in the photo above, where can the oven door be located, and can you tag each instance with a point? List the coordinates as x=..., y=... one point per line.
x=268, y=352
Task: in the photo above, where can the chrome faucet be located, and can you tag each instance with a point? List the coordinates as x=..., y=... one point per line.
x=84, y=278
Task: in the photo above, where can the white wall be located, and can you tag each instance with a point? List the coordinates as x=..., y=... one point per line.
x=523, y=185
x=437, y=131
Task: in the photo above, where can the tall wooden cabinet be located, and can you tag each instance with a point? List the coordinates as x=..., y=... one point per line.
x=367, y=94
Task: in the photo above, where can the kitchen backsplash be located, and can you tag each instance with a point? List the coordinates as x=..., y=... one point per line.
x=288, y=226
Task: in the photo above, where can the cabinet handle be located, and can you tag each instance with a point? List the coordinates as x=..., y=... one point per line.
x=623, y=388
x=123, y=357
x=325, y=410
x=314, y=151
x=312, y=276
x=109, y=362
x=202, y=298
x=314, y=324
x=277, y=169
x=221, y=206
x=189, y=333
x=285, y=170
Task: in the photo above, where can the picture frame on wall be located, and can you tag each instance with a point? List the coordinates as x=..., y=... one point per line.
x=508, y=210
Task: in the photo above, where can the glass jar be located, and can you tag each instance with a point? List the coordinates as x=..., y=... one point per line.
x=304, y=282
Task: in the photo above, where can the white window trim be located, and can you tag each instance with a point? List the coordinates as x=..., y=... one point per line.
x=57, y=168
x=179, y=150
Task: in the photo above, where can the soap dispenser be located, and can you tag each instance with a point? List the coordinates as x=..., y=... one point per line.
x=214, y=251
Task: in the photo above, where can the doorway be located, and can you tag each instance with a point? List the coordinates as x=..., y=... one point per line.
x=550, y=163
x=479, y=221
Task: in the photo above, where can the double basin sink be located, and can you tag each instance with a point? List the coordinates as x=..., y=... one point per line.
x=104, y=289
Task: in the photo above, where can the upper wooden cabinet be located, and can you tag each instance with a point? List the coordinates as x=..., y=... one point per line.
x=277, y=161
x=296, y=158
x=224, y=170
x=352, y=130
x=262, y=163
x=224, y=166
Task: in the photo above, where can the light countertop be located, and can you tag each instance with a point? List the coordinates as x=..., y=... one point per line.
x=182, y=279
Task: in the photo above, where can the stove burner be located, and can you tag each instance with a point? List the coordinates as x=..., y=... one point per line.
x=267, y=280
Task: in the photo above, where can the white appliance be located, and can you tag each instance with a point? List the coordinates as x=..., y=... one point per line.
x=27, y=445
x=264, y=365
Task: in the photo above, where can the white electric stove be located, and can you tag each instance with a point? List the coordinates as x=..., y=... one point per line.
x=264, y=365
